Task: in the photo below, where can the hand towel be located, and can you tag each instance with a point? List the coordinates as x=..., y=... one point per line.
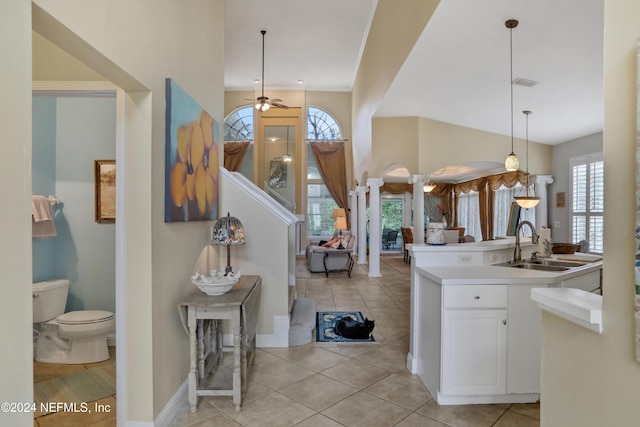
x=41, y=209
x=42, y=225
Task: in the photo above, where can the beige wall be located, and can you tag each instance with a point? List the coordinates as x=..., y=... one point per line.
x=16, y=367
x=160, y=257
x=590, y=379
x=394, y=31
x=424, y=146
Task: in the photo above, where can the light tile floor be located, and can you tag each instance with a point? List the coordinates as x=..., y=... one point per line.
x=322, y=384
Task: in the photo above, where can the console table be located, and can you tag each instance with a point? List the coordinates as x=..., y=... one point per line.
x=204, y=315
x=346, y=253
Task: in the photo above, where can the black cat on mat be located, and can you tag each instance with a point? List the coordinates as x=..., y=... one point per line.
x=348, y=327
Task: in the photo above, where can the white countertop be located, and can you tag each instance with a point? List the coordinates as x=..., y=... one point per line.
x=497, y=275
x=483, y=246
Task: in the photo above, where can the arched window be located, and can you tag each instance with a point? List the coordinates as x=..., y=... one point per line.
x=238, y=127
x=321, y=126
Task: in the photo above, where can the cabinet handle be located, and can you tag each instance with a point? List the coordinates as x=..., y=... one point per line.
x=504, y=321
x=476, y=297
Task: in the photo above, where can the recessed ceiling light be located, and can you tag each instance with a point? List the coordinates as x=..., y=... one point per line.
x=256, y=80
x=300, y=82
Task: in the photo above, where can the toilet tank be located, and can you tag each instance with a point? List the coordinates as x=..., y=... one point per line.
x=49, y=299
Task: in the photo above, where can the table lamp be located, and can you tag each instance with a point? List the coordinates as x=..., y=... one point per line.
x=227, y=231
x=341, y=224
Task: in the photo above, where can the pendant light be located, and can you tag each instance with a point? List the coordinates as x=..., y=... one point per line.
x=527, y=201
x=262, y=104
x=511, y=163
x=287, y=157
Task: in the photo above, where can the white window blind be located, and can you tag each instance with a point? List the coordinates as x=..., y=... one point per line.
x=587, y=201
x=469, y=214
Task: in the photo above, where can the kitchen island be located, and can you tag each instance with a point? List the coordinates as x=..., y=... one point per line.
x=475, y=332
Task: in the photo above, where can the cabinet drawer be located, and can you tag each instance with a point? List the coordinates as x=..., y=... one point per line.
x=475, y=296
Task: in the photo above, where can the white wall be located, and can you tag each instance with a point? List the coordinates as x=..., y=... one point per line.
x=590, y=379
x=562, y=154
x=16, y=366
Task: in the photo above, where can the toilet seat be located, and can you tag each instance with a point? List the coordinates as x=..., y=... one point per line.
x=83, y=317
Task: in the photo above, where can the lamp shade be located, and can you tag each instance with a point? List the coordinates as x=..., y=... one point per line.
x=428, y=188
x=527, y=202
x=338, y=212
x=512, y=163
x=227, y=231
x=341, y=223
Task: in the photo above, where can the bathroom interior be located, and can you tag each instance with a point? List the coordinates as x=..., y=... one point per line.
x=71, y=130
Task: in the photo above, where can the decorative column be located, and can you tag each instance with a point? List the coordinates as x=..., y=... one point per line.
x=375, y=226
x=406, y=213
x=418, y=208
x=353, y=217
x=542, y=213
x=361, y=190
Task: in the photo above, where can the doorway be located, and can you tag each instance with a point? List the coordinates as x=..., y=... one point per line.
x=392, y=212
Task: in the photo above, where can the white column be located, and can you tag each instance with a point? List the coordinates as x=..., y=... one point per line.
x=375, y=226
x=407, y=208
x=362, y=224
x=418, y=208
x=542, y=211
x=353, y=217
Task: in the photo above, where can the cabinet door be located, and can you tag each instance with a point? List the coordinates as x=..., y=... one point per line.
x=474, y=351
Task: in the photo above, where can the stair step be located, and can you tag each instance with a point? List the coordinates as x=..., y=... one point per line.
x=303, y=322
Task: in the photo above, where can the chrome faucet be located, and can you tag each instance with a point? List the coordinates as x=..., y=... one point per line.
x=517, y=253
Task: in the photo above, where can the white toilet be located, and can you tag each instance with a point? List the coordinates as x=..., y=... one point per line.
x=68, y=338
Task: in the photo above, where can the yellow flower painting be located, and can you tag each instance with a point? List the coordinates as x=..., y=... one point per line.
x=191, y=173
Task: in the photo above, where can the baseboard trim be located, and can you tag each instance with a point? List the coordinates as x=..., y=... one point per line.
x=170, y=410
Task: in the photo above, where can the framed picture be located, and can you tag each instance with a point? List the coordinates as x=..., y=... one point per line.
x=514, y=219
x=105, y=181
x=560, y=197
x=278, y=174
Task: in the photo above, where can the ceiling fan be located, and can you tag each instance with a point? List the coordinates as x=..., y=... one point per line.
x=262, y=102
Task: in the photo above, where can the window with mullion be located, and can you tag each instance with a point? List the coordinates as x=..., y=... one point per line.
x=587, y=208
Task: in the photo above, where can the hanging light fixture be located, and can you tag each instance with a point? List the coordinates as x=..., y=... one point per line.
x=527, y=201
x=262, y=104
x=287, y=157
x=511, y=163
x=429, y=186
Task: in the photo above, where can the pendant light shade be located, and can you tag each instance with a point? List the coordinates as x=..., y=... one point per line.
x=527, y=201
x=511, y=163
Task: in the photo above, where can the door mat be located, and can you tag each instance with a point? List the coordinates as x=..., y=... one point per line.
x=77, y=388
x=326, y=320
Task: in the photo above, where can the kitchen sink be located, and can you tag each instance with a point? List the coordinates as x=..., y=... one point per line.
x=542, y=264
x=535, y=266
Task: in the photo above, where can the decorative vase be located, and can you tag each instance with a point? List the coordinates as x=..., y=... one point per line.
x=435, y=233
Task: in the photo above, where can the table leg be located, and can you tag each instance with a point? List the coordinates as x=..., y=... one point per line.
x=236, y=360
x=193, y=372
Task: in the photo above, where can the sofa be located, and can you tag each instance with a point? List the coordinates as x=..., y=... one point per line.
x=337, y=261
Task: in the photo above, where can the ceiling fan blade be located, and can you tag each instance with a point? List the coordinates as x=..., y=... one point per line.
x=278, y=105
x=276, y=100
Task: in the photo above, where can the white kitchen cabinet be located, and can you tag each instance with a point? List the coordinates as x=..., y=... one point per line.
x=469, y=351
x=474, y=349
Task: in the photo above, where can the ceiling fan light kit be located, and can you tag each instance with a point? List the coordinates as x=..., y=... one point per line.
x=262, y=102
x=527, y=201
x=511, y=163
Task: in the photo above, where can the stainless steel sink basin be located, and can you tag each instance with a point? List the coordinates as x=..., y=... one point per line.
x=543, y=267
x=542, y=264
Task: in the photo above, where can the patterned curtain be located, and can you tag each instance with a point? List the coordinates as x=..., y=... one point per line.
x=329, y=157
x=234, y=153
